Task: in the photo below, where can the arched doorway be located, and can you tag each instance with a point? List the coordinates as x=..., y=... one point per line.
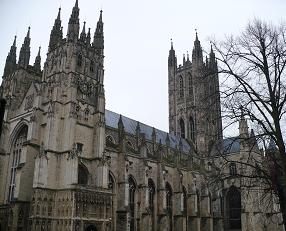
x=91, y=228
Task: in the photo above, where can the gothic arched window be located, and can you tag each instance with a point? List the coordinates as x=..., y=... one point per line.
x=111, y=183
x=132, y=189
x=91, y=67
x=169, y=198
x=191, y=91
x=110, y=140
x=185, y=199
x=169, y=204
x=181, y=87
x=234, y=208
x=16, y=157
x=151, y=194
x=192, y=129
x=182, y=127
x=82, y=175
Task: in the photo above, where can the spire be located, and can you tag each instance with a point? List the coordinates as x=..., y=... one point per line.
x=197, y=50
x=172, y=60
x=98, y=39
x=188, y=58
x=212, y=59
x=28, y=33
x=83, y=34
x=184, y=59
x=37, y=64
x=24, y=56
x=88, y=37
x=56, y=33
x=73, y=27
x=10, y=65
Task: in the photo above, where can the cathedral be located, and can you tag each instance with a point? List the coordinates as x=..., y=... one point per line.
x=68, y=163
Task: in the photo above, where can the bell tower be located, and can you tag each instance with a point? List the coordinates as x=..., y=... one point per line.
x=194, y=101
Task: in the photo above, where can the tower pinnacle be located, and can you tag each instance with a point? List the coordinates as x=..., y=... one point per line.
x=73, y=27
x=37, y=64
x=24, y=56
x=98, y=39
x=56, y=33
x=172, y=60
x=197, y=50
x=83, y=34
x=10, y=65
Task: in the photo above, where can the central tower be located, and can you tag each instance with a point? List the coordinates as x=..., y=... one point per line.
x=194, y=100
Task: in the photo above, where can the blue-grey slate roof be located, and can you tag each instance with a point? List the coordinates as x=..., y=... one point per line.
x=111, y=120
x=230, y=145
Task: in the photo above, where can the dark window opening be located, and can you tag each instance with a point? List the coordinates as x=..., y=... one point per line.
x=234, y=208
x=182, y=127
x=79, y=60
x=91, y=67
x=79, y=147
x=192, y=129
x=82, y=175
x=151, y=193
x=184, y=200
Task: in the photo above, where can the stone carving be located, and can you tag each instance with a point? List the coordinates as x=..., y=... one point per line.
x=29, y=102
x=74, y=152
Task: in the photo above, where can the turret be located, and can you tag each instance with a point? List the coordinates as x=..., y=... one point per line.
x=83, y=34
x=73, y=27
x=56, y=33
x=88, y=37
x=98, y=39
x=24, y=56
x=197, y=56
x=243, y=126
x=212, y=60
x=37, y=64
x=172, y=60
x=10, y=64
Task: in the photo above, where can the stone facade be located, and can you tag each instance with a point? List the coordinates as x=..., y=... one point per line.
x=67, y=163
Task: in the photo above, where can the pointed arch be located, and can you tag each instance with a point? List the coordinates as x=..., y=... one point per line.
x=182, y=127
x=233, y=199
x=131, y=201
x=185, y=198
x=151, y=194
x=18, y=140
x=192, y=128
x=169, y=197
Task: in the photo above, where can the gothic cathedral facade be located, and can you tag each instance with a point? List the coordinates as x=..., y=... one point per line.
x=68, y=163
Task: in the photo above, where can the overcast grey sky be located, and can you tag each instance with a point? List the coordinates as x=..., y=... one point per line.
x=137, y=40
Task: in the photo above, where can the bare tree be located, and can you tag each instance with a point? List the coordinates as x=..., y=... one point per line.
x=254, y=79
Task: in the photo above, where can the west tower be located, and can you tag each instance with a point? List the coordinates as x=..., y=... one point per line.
x=194, y=100
x=53, y=159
